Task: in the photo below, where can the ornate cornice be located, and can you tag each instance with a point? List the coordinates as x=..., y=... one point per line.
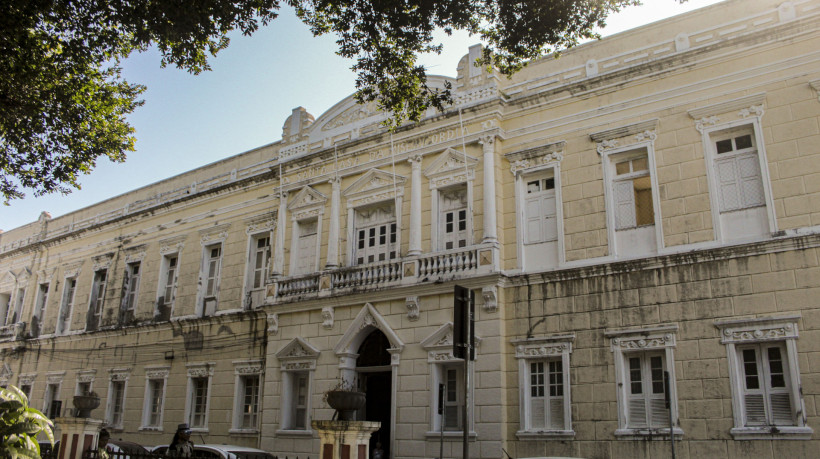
x=758, y=329
x=200, y=370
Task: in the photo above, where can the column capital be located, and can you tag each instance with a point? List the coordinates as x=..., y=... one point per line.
x=487, y=141
x=335, y=182
x=415, y=161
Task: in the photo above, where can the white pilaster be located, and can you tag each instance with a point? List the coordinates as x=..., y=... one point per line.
x=279, y=250
x=333, y=238
x=415, y=206
x=488, y=144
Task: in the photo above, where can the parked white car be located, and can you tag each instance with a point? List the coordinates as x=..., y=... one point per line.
x=208, y=451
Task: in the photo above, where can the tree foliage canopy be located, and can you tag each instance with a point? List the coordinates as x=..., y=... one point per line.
x=63, y=102
x=20, y=424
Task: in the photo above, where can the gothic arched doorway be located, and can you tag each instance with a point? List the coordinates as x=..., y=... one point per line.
x=376, y=380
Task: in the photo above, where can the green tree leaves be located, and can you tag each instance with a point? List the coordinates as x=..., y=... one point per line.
x=63, y=101
x=20, y=424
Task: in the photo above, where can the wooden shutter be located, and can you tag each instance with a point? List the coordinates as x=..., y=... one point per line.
x=624, y=197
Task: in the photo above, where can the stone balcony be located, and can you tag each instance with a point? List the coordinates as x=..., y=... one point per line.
x=410, y=270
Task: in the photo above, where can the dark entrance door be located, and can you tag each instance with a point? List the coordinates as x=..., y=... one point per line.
x=376, y=379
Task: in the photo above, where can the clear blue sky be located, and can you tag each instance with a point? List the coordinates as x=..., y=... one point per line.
x=188, y=121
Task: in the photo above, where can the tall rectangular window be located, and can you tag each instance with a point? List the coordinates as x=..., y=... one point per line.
x=13, y=315
x=39, y=309
x=154, y=399
x=116, y=403
x=632, y=190
x=544, y=387
x=198, y=400
x=169, y=279
x=738, y=170
x=250, y=402
x=306, y=246
x=375, y=235
x=300, y=393
x=209, y=278
x=26, y=389
x=260, y=261
x=540, y=211
x=131, y=284
x=52, y=395
x=646, y=406
x=453, y=219
x=95, y=307
x=453, y=396
x=767, y=398
x=67, y=304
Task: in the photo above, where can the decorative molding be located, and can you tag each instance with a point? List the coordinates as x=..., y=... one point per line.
x=490, y=295
x=307, y=203
x=706, y=121
x=298, y=354
x=728, y=106
x=660, y=337
x=55, y=377
x=327, y=317
x=172, y=245
x=373, y=186
x=624, y=131
x=368, y=317
x=439, y=345
x=214, y=234
x=46, y=275
x=101, y=262
x=26, y=379
x=135, y=254
x=753, y=110
x=5, y=374
x=248, y=367
x=119, y=374
x=86, y=376
x=73, y=269
x=273, y=323
x=450, y=167
x=547, y=346
x=534, y=157
x=200, y=370
x=157, y=372
x=758, y=329
x=261, y=224
x=412, y=303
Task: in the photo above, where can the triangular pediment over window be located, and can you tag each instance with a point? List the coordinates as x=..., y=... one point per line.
x=307, y=197
x=374, y=182
x=439, y=345
x=298, y=348
x=450, y=161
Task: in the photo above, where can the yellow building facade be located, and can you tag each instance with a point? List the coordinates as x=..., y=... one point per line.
x=647, y=204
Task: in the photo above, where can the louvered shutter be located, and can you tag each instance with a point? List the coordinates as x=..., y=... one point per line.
x=549, y=228
x=636, y=411
x=751, y=183
x=755, y=410
x=624, y=197
x=556, y=413
x=533, y=217
x=537, y=412
x=729, y=188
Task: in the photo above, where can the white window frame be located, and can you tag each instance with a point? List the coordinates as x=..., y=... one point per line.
x=116, y=376
x=154, y=373
x=41, y=304
x=27, y=380
x=169, y=248
x=750, y=112
x=451, y=169
x=131, y=287
x=375, y=187
x=554, y=348
x=204, y=307
x=63, y=326
x=612, y=155
x=307, y=205
x=198, y=371
x=626, y=343
x=297, y=357
x=243, y=370
x=96, y=301
x=439, y=235
x=85, y=378
x=15, y=308
x=739, y=333
x=53, y=380
x=439, y=347
x=254, y=252
x=526, y=166
x=386, y=223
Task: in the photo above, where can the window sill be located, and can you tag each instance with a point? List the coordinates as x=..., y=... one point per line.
x=199, y=430
x=772, y=433
x=288, y=433
x=525, y=435
x=151, y=429
x=243, y=431
x=648, y=434
x=451, y=434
